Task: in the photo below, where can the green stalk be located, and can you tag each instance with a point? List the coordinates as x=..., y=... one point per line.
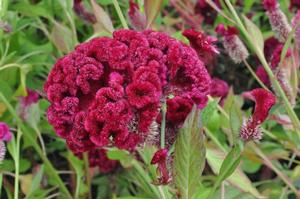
x=51, y=171
x=87, y=173
x=120, y=14
x=259, y=53
x=17, y=163
x=163, y=125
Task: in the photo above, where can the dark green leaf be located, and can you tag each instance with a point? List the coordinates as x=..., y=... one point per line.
x=189, y=158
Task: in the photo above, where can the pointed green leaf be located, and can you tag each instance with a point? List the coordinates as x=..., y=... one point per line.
x=152, y=8
x=237, y=179
x=255, y=33
x=208, y=112
x=189, y=158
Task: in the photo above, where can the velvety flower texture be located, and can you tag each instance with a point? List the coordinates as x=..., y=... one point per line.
x=219, y=88
x=232, y=43
x=278, y=20
x=160, y=158
x=264, y=100
x=108, y=91
x=5, y=134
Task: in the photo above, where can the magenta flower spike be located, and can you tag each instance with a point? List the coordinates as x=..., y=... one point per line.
x=264, y=100
x=160, y=158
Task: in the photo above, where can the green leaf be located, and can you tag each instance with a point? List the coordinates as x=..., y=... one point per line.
x=189, y=156
x=238, y=178
x=152, y=8
x=255, y=33
x=61, y=37
x=208, y=112
x=230, y=163
x=104, y=22
x=123, y=156
x=30, y=10
x=37, y=180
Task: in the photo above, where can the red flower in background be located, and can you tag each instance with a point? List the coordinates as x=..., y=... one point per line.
x=137, y=19
x=262, y=75
x=264, y=100
x=80, y=10
x=5, y=134
x=160, y=158
x=295, y=4
x=98, y=158
x=208, y=13
x=219, y=88
x=232, y=43
x=108, y=91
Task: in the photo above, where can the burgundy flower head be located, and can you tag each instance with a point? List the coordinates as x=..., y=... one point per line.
x=232, y=43
x=294, y=4
x=264, y=100
x=5, y=134
x=160, y=158
x=108, y=91
x=137, y=19
x=262, y=75
x=277, y=55
x=270, y=4
x=269, y=45
x=219, y=88
x=201, y=42
x=206, y=11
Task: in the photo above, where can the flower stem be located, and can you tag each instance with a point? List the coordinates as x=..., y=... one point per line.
x=87, y=173
x=260, y=54
x=120, y=14
x=51, y=171
x=17, y=163
x=255, y=76
x=163, y=125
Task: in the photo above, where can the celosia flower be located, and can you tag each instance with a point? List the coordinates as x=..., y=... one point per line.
x=269, y=46
x=201, y=42
x=160, y=158
x=137, y=19
x=5, y=134
x=263, y=76
x=80, y=10
x=277, y=20
x=232, y=43
x=108, y=91
x=219, y=88
x=2, y=151
x=264, y=100
x=98, y=157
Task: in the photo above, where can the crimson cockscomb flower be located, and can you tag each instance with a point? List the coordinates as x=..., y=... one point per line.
x=108, y=91
x=262, y=75
x=294, y=4
x=137, y=19
x=219, y=88
x=264, y=100
x=232, y=43
x=160, y=158
x=202, y=43
x=5, y=134
x=277, y=19
x=98, y=158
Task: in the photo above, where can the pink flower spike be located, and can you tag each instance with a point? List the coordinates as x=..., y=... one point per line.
x=2, y=151
x=160, y=158
x=200, y=42
x=5, y=134
x=264, y=100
